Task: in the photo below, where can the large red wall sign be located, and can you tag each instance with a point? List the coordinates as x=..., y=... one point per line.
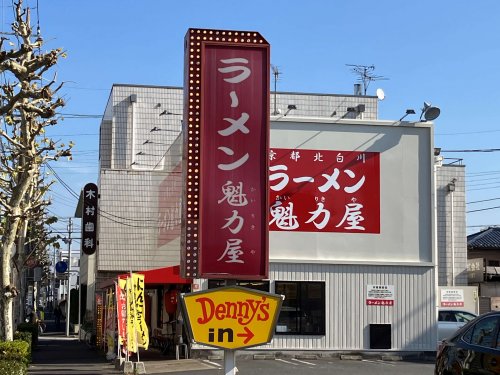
x=226, y=120
x=324, y=191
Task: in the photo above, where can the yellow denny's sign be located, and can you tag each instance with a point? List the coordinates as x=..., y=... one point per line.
x=231, y=317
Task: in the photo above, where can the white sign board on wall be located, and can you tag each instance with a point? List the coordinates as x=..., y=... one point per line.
x=380, y=295
x=452, y=298
x=405, y=197
x=459, y=298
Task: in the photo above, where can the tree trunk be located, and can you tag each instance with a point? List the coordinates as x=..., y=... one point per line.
x=6, y=287
x=20, y=275
x=7, y=329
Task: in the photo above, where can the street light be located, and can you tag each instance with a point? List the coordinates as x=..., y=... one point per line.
x=429, y=112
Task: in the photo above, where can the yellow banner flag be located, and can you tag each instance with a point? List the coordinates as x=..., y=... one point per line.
x=140, y=311
x=131, y=334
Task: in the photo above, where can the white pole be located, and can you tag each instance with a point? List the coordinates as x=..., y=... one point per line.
x=452, y=239
x=68, y=298
x=118, y=316
x=79, y=297
x=435, y=254
x=105, y=322
x=135, y=316
x=54, y=302
x=229, y=362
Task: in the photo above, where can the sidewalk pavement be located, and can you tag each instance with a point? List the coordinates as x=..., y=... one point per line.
x=57, y=354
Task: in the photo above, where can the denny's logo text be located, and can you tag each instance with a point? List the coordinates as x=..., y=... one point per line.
x=231, y=317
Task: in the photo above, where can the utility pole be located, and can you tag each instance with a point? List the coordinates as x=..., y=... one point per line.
x=54, y=302
x=68, y=298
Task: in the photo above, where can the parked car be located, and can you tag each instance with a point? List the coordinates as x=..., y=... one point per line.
x=473, y=349
x=449, y=321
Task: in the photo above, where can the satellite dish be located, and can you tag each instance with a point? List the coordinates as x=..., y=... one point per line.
x=380, y=94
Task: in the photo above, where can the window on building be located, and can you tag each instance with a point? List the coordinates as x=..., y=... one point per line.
x=263, y=286
x=303, y=310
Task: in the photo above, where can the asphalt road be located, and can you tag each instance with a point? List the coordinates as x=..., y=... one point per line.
x=57, y=354
x=317, y=367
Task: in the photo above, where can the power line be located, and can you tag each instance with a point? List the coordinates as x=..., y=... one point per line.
x=66, y=186
x=85, y=88
x=63, y=200
x=104, y=215
x=67, y=205
x=81, y=164
x=473, y=132
x=482, y=209
x=62, y=218
x=474, y=174
x=73, y=135
x=84, y=151
x=108, y=215
x=482, y=179
x=483, y=226
x=484, y=200
x=484, y=183
x=475, y=150
x=77, y=115
x=484, y=188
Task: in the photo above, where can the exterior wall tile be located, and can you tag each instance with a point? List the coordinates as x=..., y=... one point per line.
x=449, y=227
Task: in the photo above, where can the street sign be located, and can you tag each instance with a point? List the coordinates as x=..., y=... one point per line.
x=31, y=263
x=89, y=218
x=231, y=317
x=61, y=267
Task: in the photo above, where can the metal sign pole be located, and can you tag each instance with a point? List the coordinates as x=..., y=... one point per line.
x=135, y=315
x=79, y=300
x=229, y=362
x=68, y=298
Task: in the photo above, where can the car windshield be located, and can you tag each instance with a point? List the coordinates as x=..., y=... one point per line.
x=464, y=316
x=456, y=316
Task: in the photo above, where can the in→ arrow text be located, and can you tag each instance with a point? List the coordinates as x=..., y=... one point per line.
x=248, y=334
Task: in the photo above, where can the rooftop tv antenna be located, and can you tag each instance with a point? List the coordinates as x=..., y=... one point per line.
x=276, y=73
x=365, y=75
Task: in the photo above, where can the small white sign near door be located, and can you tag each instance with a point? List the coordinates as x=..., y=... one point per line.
x=452, y=298
x=380, y=295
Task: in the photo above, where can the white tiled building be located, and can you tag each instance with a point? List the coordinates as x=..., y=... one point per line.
x=138, y=149
x=139, y=226
x=451, y=223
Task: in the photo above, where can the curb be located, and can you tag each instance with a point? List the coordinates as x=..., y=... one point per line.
x=306, y=356
x=264, y=356
x=350, y=357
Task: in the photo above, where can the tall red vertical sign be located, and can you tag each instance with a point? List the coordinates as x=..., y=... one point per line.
x=226, y=138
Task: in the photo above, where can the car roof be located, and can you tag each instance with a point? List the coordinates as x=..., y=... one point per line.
x=491, y=313
x=457, y=310
x=472, y=322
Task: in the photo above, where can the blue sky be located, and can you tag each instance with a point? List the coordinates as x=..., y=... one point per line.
x=443, y=52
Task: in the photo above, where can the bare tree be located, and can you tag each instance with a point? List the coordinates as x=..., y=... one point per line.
x=28, y=104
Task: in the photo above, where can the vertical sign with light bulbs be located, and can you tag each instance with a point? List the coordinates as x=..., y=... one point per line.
x=226, y=138
x=89, y=219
